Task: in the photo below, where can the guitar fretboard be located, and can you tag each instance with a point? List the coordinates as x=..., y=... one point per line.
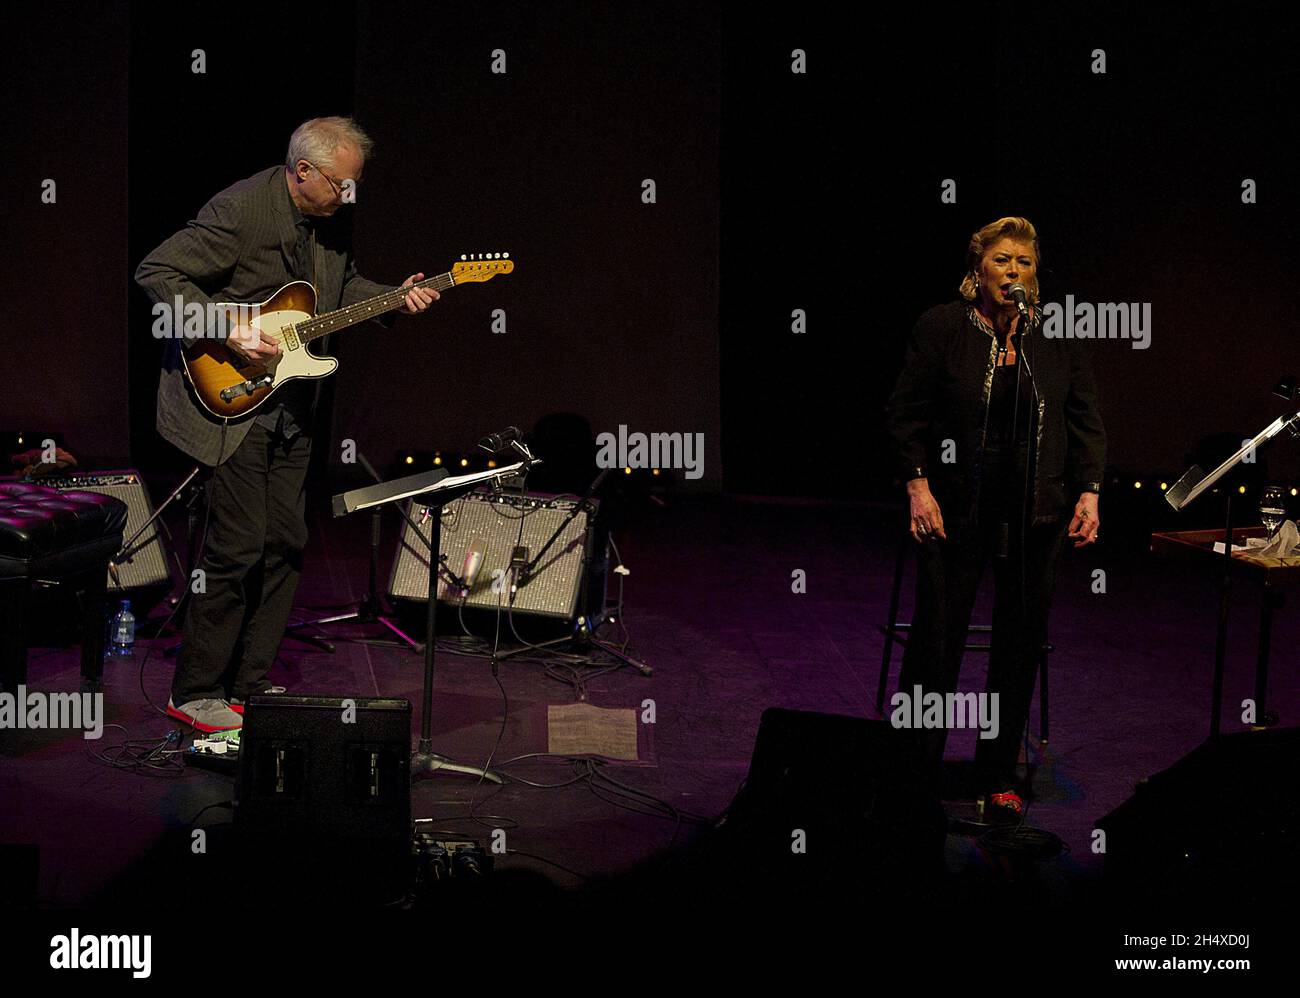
x=312, y=329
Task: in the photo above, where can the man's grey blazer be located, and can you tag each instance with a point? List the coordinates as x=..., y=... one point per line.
x=239, y=249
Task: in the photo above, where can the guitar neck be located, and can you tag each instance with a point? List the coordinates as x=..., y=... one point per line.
x=315, y=328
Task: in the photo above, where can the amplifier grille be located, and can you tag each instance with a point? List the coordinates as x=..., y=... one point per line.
x=496, y=521
x=146, y=562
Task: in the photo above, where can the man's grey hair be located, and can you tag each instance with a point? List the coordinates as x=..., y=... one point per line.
x=316, y=140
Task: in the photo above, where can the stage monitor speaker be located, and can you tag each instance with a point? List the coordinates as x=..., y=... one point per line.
x=145, y=564
x=834, y=802
x=324, y=799
x=1221, y=824
x=500, y=522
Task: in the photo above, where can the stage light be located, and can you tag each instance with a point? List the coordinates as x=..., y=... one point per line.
x=410, y=459
x=1241, y=490
x=437, y=459
x=1295, y=492
x=1137, y=485
x=655, y=471
x=464, y=462
x=1164, y=486
x=491, y=463
x=627, y=471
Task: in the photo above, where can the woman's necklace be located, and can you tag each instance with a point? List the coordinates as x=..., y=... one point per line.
x=1006, y=352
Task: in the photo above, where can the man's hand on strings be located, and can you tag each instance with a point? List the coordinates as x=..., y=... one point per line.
x=252, y=345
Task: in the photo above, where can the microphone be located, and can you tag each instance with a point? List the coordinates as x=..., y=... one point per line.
x=473, y=564
x=1018, y=295
x=495, y=442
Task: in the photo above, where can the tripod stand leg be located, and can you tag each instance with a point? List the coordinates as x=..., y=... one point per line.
x=402, y=635
x=523, y=649
x=338, y=618
x=311, y=639
x=640, y=666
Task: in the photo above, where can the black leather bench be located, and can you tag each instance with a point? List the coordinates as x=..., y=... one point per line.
x=52, y=536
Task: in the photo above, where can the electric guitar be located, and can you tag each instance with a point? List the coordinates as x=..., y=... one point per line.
x=228, y=386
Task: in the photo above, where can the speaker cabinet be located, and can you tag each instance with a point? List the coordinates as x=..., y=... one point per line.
x=324, y=801
x=833, y=802
x=1220, y=824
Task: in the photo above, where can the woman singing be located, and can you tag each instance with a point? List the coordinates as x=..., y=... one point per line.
x=997, y=435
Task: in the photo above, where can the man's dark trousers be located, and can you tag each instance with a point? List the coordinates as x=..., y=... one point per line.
x=252, y=559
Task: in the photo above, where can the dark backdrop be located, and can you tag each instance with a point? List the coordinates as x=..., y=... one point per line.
x=776, y=192
x=63, y=116
x=1132, y=178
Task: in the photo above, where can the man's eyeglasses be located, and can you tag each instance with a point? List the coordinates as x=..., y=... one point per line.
x=335, y=187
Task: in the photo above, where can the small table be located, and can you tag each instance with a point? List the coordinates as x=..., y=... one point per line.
x=1273, y=575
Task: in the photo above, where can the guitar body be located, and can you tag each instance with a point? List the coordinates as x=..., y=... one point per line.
x=214, y=368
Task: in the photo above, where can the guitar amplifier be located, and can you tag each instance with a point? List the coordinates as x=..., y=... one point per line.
x=144, y=564
x=500, y=523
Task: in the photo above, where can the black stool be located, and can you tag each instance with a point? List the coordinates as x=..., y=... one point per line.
x=896, y=632
x=63, y=537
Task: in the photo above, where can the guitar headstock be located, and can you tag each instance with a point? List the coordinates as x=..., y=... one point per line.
x=481, y=267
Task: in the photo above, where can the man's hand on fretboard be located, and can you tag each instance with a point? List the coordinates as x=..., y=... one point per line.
x=419, y=299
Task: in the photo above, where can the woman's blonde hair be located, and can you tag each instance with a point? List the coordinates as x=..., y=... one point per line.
x=1013, y=227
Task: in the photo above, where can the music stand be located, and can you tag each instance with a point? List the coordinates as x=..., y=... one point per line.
x=1193, y=483
x=433, y=490
x=370, y=608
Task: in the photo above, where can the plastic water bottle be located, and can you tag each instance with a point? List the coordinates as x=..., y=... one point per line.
x=123, y=640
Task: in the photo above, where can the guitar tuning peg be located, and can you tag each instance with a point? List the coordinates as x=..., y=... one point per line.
x=462, y=256
x=505, y=256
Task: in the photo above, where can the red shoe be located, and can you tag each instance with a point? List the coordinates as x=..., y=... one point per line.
x=1007, y=807
x=207, y=716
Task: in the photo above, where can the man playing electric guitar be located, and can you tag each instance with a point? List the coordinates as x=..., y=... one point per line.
x=252, y=238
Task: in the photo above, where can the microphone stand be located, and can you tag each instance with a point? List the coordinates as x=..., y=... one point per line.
x=590, y=632
x=125, y=551
x=188, y=495
x=1024, y=513
x=583, y=503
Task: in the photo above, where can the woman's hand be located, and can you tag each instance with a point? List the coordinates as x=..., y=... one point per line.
x=926, y=521
x=1086, y=523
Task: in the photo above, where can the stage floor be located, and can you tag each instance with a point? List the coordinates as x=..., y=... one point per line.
x=709, y=605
